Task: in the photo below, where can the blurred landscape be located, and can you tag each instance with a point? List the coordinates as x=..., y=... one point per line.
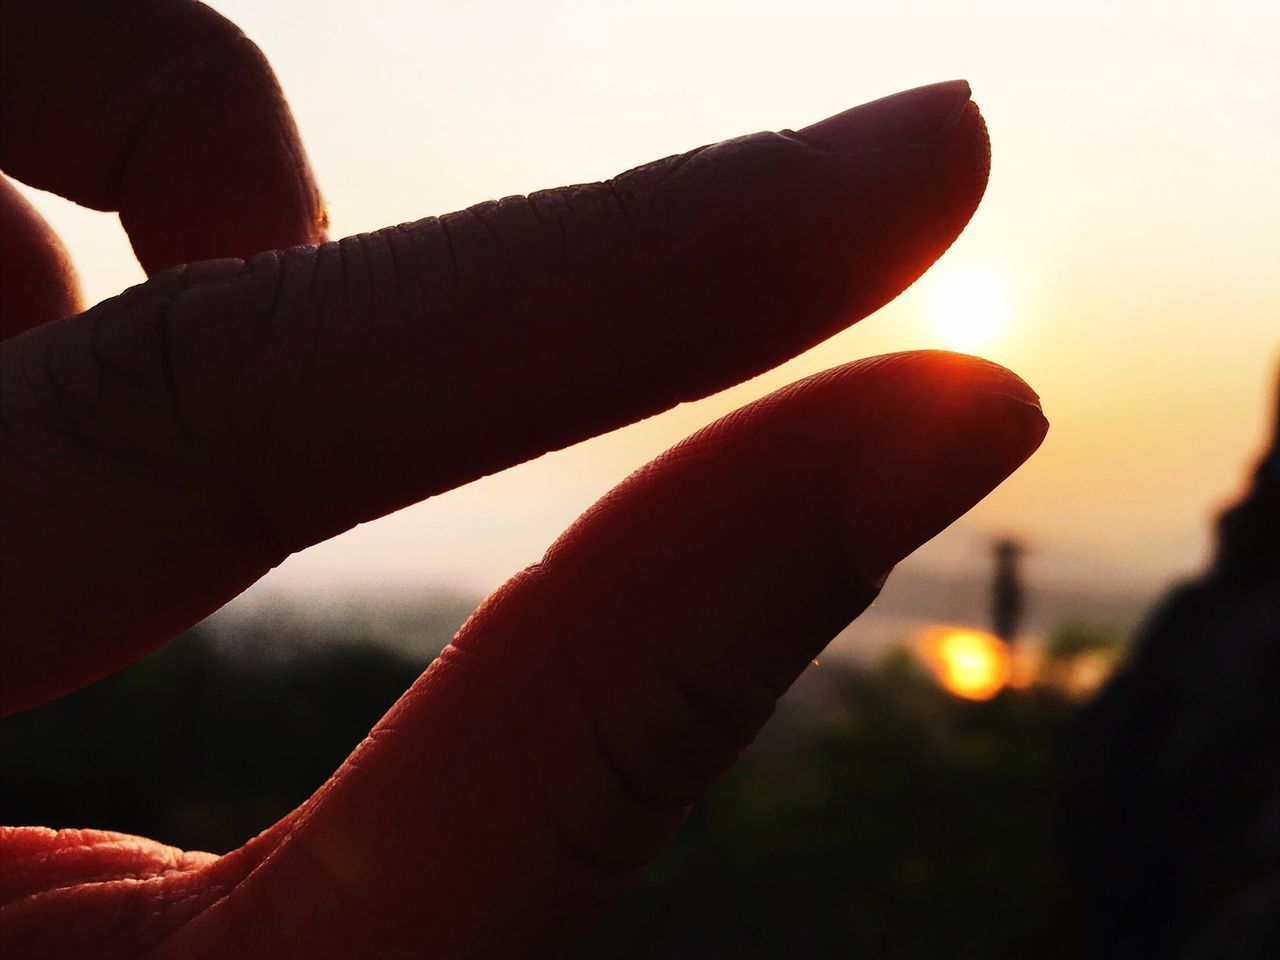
x=878, y=814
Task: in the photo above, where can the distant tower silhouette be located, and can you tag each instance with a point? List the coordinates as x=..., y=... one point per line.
x=1007, y=599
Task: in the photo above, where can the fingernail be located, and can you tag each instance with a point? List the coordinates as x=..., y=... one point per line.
x=923, y=115
x=952, y=449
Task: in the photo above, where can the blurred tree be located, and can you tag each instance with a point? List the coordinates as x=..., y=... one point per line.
x=881, y=818
x=904, y=824
x=191, y=746
x=1074, y=638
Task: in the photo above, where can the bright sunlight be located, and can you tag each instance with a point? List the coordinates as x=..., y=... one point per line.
x=970, y=663
x=969, y=307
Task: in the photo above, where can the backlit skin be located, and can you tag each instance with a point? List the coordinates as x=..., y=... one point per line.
x=164, y=449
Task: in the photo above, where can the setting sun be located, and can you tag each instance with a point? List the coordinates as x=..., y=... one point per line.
x=969, y=307
x=969, y=663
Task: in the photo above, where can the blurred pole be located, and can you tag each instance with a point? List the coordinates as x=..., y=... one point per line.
x=1007, y=598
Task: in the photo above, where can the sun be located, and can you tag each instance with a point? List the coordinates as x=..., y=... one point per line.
x=972, y=664
x=969, y=307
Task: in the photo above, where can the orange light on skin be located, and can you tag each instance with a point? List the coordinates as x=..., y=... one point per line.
x=969, y=663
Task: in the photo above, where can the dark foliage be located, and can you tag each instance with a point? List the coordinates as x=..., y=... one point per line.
x=890, y=820
x=191, y=747
x=906, y=824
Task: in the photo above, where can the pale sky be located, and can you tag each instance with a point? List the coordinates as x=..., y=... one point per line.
x=1132, y=220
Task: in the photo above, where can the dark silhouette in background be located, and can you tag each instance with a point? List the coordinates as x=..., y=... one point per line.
x=1174, y=810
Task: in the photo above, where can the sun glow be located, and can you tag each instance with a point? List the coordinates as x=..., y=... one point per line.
x=969, y=663
x=969, y=307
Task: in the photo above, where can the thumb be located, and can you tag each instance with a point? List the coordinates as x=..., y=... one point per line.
x=515, y=791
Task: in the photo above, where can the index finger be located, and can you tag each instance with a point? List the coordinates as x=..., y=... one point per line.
x=192, y=433
x=163, y=111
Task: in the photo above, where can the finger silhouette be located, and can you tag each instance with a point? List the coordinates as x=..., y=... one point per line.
x=509, y=797
x=37, y=281
x=195, y=431
x=162, y=110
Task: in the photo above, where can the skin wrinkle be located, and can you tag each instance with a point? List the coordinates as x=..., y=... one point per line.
x=479, y=663
x=478, y=214
x=415, y=238
x=478, y=271
x=61, y=353
x=736, y=726
x=725, y=652
x=603, y=742
x=566, y=828
x=67, y=423
x=576, y=848
x=405, y=305
x=604, y=748
x=556, y=233
x=421, y=251
x=320, y=313
x=660, y=751
x=174, y=862
x=50, y=843
x=153, y=900
x=631, y=231
x=371, y=288
x=641, y=266
x=168, y=375
x=448, y=245
x=232, y=489
x=242, y=864
x=669, y=166
x=243, y=430
x=421, y=240
x=106, y=362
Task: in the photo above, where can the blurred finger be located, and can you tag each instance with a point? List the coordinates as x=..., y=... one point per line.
x=162, y=110
x=37, y=281
x=221, y=417
x=555, y=746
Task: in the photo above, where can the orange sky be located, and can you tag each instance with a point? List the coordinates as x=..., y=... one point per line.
x=1133, y=218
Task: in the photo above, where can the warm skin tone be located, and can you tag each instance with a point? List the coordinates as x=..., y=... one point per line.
x=164, y=449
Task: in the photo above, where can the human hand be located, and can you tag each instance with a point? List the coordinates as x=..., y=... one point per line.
x=164, y=449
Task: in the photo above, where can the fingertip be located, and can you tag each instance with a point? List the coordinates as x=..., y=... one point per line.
x=951, y=429
x=918, y=371
x=38, y=282
x=925, y=114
